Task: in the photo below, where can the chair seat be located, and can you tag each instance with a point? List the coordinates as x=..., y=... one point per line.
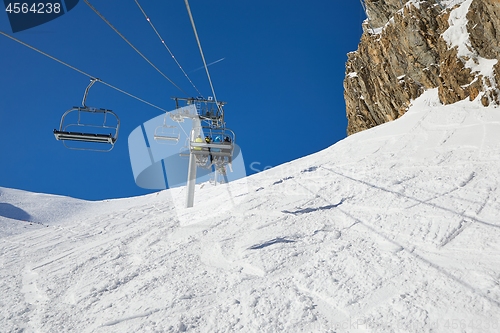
x=86, y=137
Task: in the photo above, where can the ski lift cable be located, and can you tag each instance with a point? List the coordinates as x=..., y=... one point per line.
x=80, y=71
x=201, y=51
x=131, y=45
x=168, y=49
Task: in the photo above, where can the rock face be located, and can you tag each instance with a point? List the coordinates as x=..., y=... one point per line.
x=410, y=46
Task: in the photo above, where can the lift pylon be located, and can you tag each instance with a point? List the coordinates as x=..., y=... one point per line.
x=210, y=143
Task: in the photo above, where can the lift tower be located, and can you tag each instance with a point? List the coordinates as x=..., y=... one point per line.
x=211, y=144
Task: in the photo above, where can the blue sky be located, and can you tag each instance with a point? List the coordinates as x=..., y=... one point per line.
x=281, y=77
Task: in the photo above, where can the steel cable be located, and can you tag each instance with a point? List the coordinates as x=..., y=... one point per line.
x=168, y=49
x=131, y=45
x=80, y=71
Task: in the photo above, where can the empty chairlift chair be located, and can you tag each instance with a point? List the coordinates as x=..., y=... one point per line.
x=88, y=125
x=167, y=134
x=88, y=128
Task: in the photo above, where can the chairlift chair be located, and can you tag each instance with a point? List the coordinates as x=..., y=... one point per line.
x=74, y=127
x=167, y=134
x=223, y=149
x=88, y=125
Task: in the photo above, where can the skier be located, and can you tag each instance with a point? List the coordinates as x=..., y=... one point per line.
x=209, y=140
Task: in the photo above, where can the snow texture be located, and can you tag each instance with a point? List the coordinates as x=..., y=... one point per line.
x=458, y=36
x=394, y=229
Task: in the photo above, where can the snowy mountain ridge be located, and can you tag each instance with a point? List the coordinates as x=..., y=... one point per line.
x=393, y=229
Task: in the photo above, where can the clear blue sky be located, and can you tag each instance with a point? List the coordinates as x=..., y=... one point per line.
x=282, y=75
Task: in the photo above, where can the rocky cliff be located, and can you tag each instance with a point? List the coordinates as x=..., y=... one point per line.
x=410, y=46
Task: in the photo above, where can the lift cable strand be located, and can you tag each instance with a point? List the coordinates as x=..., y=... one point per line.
x=132, y=46
x=168, y=49
x=201, y=51
x=80, y=71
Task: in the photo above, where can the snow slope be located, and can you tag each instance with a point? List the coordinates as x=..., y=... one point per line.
x=394, y=229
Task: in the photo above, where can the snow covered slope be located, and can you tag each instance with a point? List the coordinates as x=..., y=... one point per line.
x=394, y=229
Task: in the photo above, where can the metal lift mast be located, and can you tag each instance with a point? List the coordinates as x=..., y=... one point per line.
x=202, y=153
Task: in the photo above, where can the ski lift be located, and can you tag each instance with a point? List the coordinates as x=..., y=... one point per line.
x=91, y=126
x=223, y=148
x=167, y=133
